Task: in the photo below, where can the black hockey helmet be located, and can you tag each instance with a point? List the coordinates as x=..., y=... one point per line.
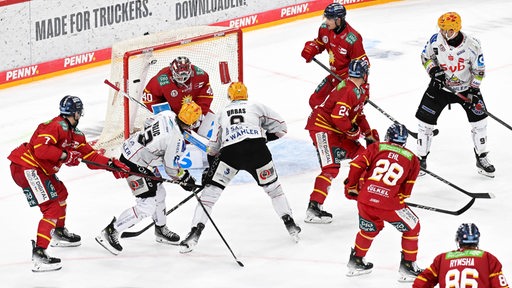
x=467, y=235
x=397, y=133
x=334, y=11
x=69, y=105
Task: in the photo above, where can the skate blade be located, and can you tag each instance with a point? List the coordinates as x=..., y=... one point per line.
x=104, y=244
x=406, y=278
x=317, y=220
x=40, y=267
x=184, y=248
x=488, y=174
x=174, y=243
x=356, y=272
x=295, y=237
x=57, y=243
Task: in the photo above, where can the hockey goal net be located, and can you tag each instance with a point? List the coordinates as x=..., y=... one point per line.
x=135, y=61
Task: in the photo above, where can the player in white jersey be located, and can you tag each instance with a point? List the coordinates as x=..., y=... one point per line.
x=454, y=61
x=238, y=143
x=161, y=143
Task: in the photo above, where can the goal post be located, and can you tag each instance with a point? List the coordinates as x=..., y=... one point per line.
x=214, y=49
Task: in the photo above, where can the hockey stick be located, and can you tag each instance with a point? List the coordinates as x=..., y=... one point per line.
x=128, y=234
x=218, y=231
x=478, y=107
x=456, y=212
x=189, y=137
x=474, y=195
x=106, y=167
x=413, y=134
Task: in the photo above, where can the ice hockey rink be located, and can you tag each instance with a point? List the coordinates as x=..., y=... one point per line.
x=394, y=35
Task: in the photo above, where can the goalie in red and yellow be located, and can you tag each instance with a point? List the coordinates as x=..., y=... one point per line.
x=179, y=83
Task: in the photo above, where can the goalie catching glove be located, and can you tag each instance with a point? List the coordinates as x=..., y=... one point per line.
x=118, y=168
x=187, y=182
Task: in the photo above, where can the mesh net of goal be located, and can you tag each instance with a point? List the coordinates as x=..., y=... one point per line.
x=136, y=61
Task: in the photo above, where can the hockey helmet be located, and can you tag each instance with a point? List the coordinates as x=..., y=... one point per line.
x=69, y=105
x=450, y=21
x=237, y=91
x=189, y=113
x=467, y=235
x=334, y=11
x=397, y=133
x=181, y=69
x=358, y=69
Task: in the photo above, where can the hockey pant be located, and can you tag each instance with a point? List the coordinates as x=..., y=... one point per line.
x=145, y=207
x=53, y=210
x=371, y=222
x=331, y=149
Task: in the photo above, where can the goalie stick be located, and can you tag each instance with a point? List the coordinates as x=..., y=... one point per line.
x=189, y=137
x=434, y=209
x=474, y=195
x=413, y=134
x=478, y=107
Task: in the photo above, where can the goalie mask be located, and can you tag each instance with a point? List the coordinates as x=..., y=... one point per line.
x=237, y=91
x=181, y=69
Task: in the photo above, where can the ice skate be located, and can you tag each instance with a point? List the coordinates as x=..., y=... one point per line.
x=164, y=235
x=315, y=214
x=484, y=166
x=423, y=164
x=358, y=265
x=292, y=228
x=63, y=238
x=42, y=262
x=109, y=239
x=408, y=271
x=190, y=242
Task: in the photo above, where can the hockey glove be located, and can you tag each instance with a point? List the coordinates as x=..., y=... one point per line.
x=310, y=50
x=72, y=158
x=350, y=192
x=119, y=169
x=354, y=133
x=438, y=77
x=371, y=136
x=474, y=97
x=187, y=182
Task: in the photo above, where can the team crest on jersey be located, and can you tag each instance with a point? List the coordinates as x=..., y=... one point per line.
x=187, y=99
x=325, y=39
x=163, y=80
x=174, y=93
x=351, y=38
